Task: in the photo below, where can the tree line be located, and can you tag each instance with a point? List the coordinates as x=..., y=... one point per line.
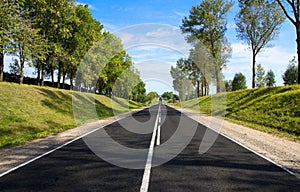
x=263, y=79
x=257, y=23
x=60, y=38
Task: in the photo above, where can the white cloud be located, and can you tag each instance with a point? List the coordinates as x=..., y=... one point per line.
x=155, y=71
x=154, y=34
x=162, y=32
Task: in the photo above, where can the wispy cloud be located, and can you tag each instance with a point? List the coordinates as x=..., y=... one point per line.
x=91, y=7
x=180, y=14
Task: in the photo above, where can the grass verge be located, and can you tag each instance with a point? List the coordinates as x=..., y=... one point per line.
x=274, y=110
x=30, y=112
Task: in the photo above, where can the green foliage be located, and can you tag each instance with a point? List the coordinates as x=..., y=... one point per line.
x=170, y=97
x=258, y=22
x=138, y=93
x=271, y=109
x=151, y=96
x=207, y=24
x=290, y=76
x=291, y=11
x=181, y=83
x=228, y=85
x=30, y=112
x=270, y=79
x=260, y=78
x=239, y=82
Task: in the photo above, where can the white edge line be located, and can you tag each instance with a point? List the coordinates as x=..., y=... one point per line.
x=146, y=175
x=235, y=141
x=65, y=144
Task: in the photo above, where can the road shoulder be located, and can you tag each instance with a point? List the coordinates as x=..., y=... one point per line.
x=15, y=156
x=280, y=150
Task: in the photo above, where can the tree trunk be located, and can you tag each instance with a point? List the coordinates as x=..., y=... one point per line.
x=38, y=76
x=1, y=65
x=52, y=77
x=198, y=88
x=22, y=63
x=202, y=89
x=64, y=79
x=218, y=81
x=60, y=72
x=298, y=51
x=71, y=83
x=43, y=74
x=253, y=69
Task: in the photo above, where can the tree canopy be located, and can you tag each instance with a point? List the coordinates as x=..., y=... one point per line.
x=258, y=22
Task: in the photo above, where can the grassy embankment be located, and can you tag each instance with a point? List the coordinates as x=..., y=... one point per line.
x=274, y=110
x=30, y=112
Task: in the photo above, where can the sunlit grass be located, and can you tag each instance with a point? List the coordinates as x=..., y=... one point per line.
x=273, y=109
x=30, y=112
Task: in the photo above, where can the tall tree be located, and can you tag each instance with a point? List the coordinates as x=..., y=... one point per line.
x=239, y=82
x=28, y=44
x=258, y=22
x=201, y=65
x=290, y=76
x=270, y=79
x=207, y=23
x=260, y=79
x=291, y=9
x=52, y=17
x=181, y=83
x=9, y=21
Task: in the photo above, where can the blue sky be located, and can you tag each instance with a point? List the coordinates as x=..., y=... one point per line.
x=150, y=33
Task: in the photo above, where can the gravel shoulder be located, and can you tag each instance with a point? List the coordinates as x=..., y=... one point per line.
x=279, y=150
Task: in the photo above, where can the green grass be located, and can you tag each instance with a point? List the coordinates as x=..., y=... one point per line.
x=274, y=109
x=30, y=112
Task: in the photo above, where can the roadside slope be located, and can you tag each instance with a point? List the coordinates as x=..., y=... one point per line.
x=274, y=110
x=30, y=112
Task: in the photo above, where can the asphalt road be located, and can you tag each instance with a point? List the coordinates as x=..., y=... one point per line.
x=226, y=166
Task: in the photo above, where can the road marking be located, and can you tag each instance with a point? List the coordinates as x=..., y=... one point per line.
x=65, y=144
x=244, y=146
x=146, y=176
x=158, y=129
x=158, y=135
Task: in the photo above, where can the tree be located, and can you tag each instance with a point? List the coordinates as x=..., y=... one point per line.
x=260, y=79
x=151, y=96
x=292, y=12
x=28, y=44
x=258, y=22
x=200, y=67
x=228, y=85
x=9, y=21
x=138, y=93
x=239, y=82
x=270, y=78
x=207, y=23
x=181, y=83
x=167, y=96
x=290, y=76
x=86, y=32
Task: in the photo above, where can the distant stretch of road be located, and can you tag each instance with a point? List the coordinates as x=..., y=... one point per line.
x=226, y=166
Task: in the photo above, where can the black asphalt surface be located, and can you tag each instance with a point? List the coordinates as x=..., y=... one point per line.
x=225, y=167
